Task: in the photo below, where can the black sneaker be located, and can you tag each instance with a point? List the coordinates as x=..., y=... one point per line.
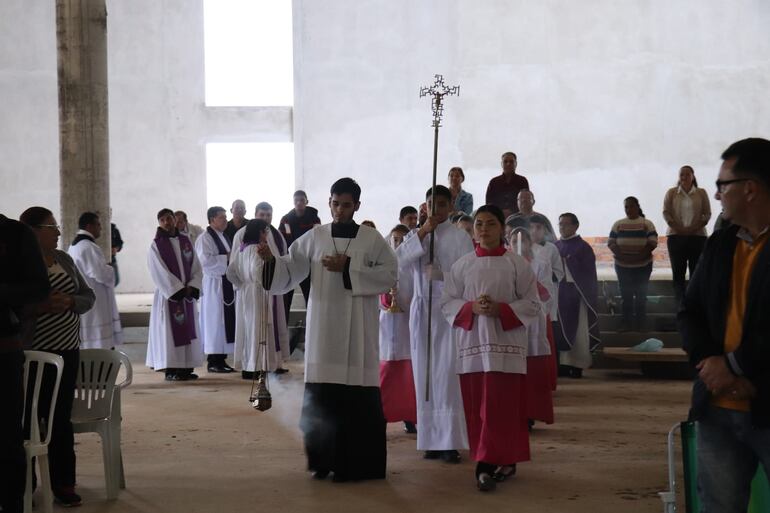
x=485, y=483
x=67, y=497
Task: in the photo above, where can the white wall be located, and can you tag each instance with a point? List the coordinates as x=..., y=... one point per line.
x=159, y=124
x=600, y=99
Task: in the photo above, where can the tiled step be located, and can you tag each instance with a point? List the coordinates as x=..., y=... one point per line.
x=655, y=322
x=655, y=287
x=655, y=304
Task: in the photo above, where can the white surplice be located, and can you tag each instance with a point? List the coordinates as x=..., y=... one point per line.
x=394, y=326
x=342, y=336
x=161, y=351
x=548, y=252
x=537, y=329
x=441, y=419
x=487, y=347
x=277, y=314
x=212, y=302
x=99, y=327
x=254, y=313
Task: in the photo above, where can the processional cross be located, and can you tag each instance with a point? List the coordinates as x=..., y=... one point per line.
x=437, y=92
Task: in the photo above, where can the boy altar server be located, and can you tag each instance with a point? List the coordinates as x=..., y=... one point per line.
x=440, y=421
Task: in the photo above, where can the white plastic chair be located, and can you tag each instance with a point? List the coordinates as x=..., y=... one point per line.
x=37, y=447
x=96, y=408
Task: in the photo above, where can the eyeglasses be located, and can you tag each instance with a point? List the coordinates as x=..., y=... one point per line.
x=54, y=226
x=722, y=184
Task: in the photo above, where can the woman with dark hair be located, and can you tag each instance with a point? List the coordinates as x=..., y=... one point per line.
x=57, y=330
x=462, y=201
x=245, y=271
x=490, y=298
x=687, y=211
x=632, y=241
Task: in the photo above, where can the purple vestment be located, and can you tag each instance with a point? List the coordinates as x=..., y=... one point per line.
x=579, y=258
x=181, y=312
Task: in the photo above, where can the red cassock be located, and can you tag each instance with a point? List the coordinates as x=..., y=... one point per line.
x=397, y=391
x=495, y=414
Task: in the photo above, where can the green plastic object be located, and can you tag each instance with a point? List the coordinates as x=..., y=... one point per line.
x=760, y=487
x=760, y=493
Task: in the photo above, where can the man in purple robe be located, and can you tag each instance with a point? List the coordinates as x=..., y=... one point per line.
x=577, y=329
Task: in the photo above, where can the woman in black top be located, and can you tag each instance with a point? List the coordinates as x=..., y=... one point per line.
x=57, y=330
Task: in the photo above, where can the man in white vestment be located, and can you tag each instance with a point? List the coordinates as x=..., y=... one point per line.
x=248, y=320
x=99, y=327
x=441, y=427
x=173, y=344
x=349, y=265
x=217, y=315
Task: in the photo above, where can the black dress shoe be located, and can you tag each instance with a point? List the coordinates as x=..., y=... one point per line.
x=410, y=428
x=192, y=376
x=340, y=478
x=218, y=368
x=432, y=455
x=320, y=475
x=450, y=456
x=67, y=497
x=228, y=368
x=576, y=373
x=247, y=375
x=281, y=370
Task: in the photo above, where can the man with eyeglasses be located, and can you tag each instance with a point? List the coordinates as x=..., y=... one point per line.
x=726, y=333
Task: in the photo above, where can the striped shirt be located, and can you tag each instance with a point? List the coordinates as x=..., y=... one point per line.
x=632, y=236
x=60, y=331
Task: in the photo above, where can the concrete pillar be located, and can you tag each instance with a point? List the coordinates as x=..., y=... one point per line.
x=81, y=40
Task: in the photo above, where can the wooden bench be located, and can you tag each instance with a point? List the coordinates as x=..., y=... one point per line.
x=669, y=362
x=666, y=354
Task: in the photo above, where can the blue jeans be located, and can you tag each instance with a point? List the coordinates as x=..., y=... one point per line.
x=633, y=283
x=729, y=449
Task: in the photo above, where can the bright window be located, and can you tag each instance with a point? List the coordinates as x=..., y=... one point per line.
x=253, y=172
x=248, y=52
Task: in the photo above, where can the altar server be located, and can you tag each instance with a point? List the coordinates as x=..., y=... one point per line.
x=490, y=298
x=441, y=426
x=350, y=266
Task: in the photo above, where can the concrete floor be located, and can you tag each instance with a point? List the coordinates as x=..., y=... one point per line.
x=200, y=447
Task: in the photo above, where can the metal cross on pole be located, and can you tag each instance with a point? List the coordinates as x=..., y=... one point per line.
x=437, y=91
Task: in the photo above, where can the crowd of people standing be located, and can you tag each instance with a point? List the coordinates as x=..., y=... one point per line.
x=457, y=323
